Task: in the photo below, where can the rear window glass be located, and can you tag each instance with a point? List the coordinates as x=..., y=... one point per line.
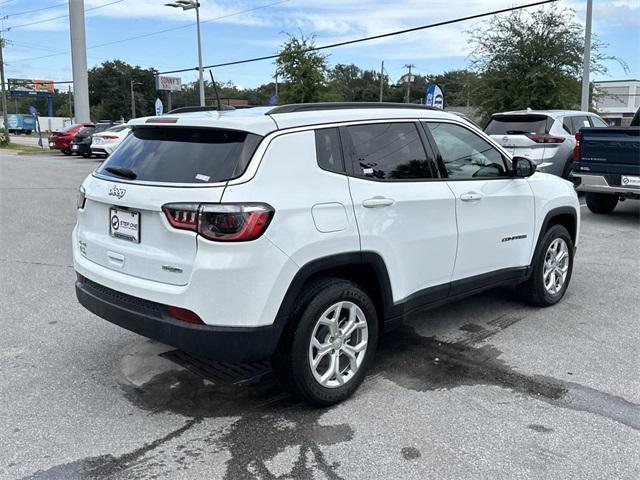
x=518, y=124
x=183, y=155
x=84, y=131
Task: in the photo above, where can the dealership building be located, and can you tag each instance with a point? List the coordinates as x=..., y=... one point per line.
x=617, y=100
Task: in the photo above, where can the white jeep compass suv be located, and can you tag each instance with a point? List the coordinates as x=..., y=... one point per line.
x=299, y=233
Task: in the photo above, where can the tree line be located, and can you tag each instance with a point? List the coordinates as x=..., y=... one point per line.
x=519, y=60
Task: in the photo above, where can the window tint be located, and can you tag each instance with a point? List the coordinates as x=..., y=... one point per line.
x=388, y=151
x=465, y=154
x=567, y=125
x=183, y=155
x=518, y=124
x=329, y=150
x=580, y=122
x=598, y=122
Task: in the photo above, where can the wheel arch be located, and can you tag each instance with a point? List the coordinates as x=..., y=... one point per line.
x=565, y=216
x=367, y=269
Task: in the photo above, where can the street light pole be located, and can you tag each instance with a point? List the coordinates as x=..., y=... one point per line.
x=199, y=55
x=586, y=66
x=133, y=98
x=189, y=5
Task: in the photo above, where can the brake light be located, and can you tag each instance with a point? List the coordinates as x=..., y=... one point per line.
x=544, y=138
x=576, y=149
x=109, y=137
x=221, y=222
x=184, y=315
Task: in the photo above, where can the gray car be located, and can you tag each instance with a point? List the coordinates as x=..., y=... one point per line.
x=547, y=137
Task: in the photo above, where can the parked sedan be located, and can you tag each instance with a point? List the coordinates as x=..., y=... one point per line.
x=104, y=143
x=61, y=139
x=547, y=137
x=81, y=143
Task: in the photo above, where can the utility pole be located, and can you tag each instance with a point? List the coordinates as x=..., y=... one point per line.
x=586, y=66
x=381, y=80
x=4, y=92
x=409, y=80
x=79, y=61
x=70, y=109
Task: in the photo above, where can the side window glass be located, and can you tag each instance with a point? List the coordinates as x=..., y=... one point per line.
x=566, y=124
x=580, y=122
x=329, y=150
x=465, y=154
x=598, y=122
x=388, y=151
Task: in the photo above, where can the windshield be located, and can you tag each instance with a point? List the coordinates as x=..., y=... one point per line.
x=182, y=155
x=518, y=124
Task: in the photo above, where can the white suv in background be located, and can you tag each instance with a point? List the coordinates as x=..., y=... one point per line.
x=546, y=137
x=300, y=233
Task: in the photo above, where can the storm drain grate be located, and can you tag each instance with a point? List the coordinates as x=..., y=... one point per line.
x=219, y=372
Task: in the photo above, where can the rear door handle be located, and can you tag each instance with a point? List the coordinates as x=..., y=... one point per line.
x=377, y=202
x=471, y=197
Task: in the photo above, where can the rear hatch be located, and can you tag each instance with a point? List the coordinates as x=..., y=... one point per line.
x=524, y=135
x=122, y=226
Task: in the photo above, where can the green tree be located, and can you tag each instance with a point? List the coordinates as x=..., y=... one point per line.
x=302, y=69
x=110, y=90
x=456, y=85
x=530, y=60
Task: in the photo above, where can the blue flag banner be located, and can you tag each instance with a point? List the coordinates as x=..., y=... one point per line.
x=434, y=96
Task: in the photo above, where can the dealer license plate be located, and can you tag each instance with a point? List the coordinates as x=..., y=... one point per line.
x=74, y=147
x=628, y=181
x=124, y=224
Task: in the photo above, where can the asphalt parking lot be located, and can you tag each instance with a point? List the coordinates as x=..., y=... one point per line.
x=485, y=388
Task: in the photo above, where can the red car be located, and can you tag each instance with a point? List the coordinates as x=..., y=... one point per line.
x=61, y=139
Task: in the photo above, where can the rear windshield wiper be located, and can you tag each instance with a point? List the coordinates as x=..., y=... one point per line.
x=122, y=172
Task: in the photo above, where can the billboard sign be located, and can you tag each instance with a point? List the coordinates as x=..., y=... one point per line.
x=30, y=86
x=172, y=84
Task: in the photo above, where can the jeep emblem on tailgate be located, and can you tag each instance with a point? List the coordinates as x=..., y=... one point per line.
x=117, y=192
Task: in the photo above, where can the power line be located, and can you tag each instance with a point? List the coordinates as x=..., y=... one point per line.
x=158, y=32
x=373, y=37
x=51, y=19
x=360, y=40
x=58, y=5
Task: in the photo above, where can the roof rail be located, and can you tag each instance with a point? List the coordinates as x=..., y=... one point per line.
x=207, y=108
x=313, y=107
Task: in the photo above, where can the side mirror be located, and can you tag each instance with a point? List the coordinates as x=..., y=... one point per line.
x=523, y=167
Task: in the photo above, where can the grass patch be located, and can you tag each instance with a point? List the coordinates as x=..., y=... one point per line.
x=16, y=147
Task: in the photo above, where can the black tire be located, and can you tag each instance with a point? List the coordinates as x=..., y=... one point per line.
x=533, y=291
x=291, y=360
x=66, y=152
x=568, y=168
x=86, y=155
x=601, y=202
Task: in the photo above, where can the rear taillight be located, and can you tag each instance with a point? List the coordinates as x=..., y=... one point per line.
x=544, y=138
x=81, y=198
x=109, y=137
x=576, y=149
x=221, y=222
x=182, y=215
x=184, y=315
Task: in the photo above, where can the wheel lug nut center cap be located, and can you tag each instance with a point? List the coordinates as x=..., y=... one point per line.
x=337, y=342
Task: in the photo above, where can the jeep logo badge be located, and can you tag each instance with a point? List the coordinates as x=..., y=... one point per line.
x=117, y=192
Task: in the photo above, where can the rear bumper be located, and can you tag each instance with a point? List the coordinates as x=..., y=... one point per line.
x=600, y=184
x=100, y=151
x=151, y=320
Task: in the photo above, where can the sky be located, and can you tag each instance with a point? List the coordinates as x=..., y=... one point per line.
x=38, y=44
